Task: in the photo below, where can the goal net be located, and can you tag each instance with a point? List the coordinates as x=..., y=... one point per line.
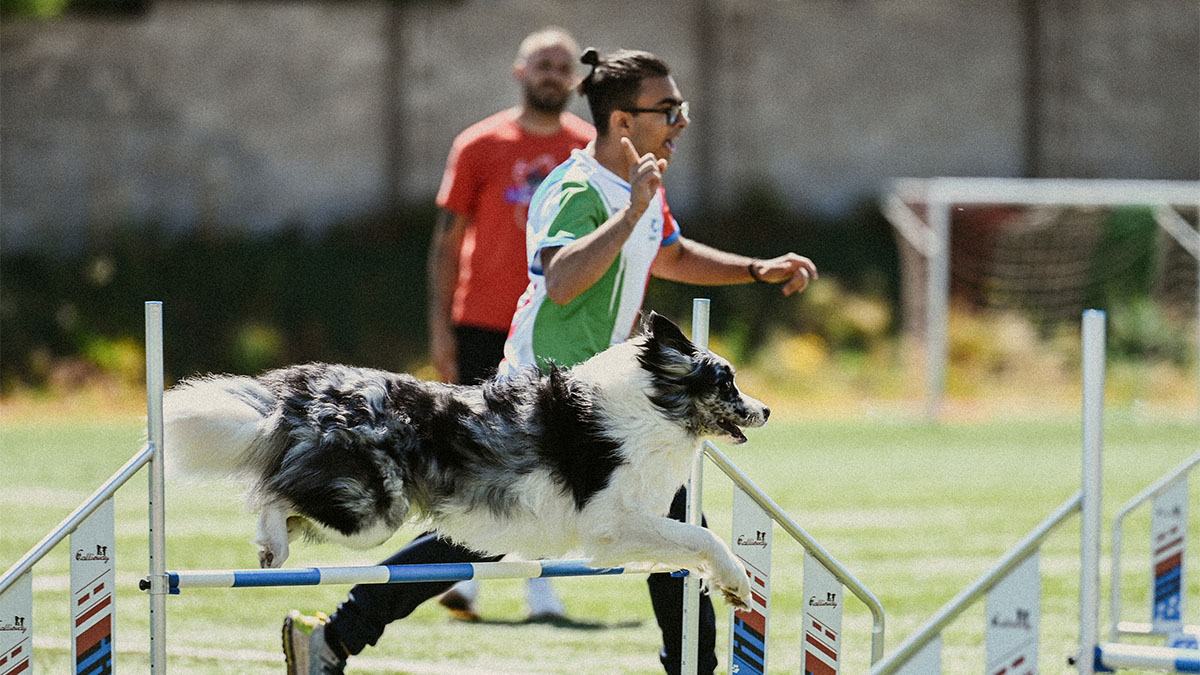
x=1048, y=249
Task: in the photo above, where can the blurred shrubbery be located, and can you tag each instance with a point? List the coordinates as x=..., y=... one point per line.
x=232, y=302
x=356, y=293
x=1141, y=329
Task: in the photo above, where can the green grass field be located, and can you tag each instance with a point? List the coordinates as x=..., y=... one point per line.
x=915, y=511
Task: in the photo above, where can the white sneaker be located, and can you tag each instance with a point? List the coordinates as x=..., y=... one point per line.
x=460, y=601
x=305, y=649
x=542, y=600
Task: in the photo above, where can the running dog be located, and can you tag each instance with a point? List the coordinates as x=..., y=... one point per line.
x=581, y=461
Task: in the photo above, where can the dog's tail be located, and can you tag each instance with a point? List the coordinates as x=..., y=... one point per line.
x=221, y=425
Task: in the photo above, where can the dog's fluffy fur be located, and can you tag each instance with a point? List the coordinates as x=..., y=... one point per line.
x=582, y=461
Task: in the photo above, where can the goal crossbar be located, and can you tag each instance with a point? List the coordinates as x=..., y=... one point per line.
x=1046, y=191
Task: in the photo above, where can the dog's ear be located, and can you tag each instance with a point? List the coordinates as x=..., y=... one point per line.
x=671, y=359
x=665, y=333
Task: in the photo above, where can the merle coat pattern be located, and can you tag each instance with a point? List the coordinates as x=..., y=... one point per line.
x=580, y=461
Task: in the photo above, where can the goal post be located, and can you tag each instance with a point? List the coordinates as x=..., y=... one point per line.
x=920, y=211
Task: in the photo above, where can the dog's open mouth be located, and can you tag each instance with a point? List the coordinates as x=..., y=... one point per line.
x=735, y=433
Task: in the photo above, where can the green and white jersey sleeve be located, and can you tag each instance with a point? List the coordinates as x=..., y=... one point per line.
x=573, y=201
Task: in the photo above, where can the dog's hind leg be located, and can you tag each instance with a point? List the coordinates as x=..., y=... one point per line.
x=655, y=539
x=272, y=536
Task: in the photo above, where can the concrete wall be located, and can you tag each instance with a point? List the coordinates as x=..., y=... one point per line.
x=256, y=115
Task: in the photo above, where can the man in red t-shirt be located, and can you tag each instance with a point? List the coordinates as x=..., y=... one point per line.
x=477, y=266
x=477, y=271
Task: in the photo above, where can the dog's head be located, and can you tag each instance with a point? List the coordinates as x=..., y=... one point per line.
x=695, y=386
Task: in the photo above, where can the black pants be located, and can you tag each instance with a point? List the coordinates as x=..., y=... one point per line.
x=480, y=350
x=361, y=619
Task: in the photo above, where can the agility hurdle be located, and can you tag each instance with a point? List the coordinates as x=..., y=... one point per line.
x=1013, y=583
x=1095, y=656
x=91, y=532
x=386, y=574
x=95, y=604
x=823, y=576
x=754, y=515
x=748, y=640
x=1168, y=536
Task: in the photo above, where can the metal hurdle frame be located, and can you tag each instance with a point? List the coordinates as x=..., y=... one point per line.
x=691, y=606
x=1084, y=501
x=1095, y=656
x=811, y=546
x=1092, y=656
x=150, y=454
x=932, y=628
x=159, y=583
x=1117, y=628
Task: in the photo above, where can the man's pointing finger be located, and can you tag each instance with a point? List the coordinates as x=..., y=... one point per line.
x=630, y=152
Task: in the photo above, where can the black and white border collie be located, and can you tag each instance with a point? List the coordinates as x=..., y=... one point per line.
x=581, y=461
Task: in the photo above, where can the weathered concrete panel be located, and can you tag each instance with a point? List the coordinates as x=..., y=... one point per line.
x=257, y=115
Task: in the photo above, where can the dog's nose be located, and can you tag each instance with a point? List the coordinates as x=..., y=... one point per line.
x=766, y=413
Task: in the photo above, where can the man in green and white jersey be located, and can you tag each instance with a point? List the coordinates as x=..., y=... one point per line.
x=599, y=224
x=598, y=227
x=580, y=196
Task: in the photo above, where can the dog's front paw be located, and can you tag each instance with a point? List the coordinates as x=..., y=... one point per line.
x=735, y=599
x=274, y=529
x=736, y=595
x=269, y=556
x=734, y=585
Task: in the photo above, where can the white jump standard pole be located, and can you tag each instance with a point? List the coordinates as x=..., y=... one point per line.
x=1093, y=440
x=158, y=535
x=690, y=644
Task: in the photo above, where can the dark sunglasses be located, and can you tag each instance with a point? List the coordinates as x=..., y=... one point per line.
x=673, y=113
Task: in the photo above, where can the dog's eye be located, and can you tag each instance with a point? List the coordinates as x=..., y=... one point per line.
x=727, y=386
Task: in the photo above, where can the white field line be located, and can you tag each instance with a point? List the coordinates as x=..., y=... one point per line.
x=359, y=663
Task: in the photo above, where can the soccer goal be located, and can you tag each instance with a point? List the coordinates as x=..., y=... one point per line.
x=1044, y=247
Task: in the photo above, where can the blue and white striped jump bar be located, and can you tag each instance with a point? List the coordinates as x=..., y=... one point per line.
x=387, y=574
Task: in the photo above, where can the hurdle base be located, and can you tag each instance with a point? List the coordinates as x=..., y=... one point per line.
x=1132, y=628
x=1112, y=656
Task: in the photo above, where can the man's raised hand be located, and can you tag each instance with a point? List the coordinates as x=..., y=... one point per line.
x=645, y=175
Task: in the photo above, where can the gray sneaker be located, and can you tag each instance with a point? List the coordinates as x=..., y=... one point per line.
x=304, y=647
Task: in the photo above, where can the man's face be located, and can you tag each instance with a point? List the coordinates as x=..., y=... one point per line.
x=650, y=131
x=546, y=78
